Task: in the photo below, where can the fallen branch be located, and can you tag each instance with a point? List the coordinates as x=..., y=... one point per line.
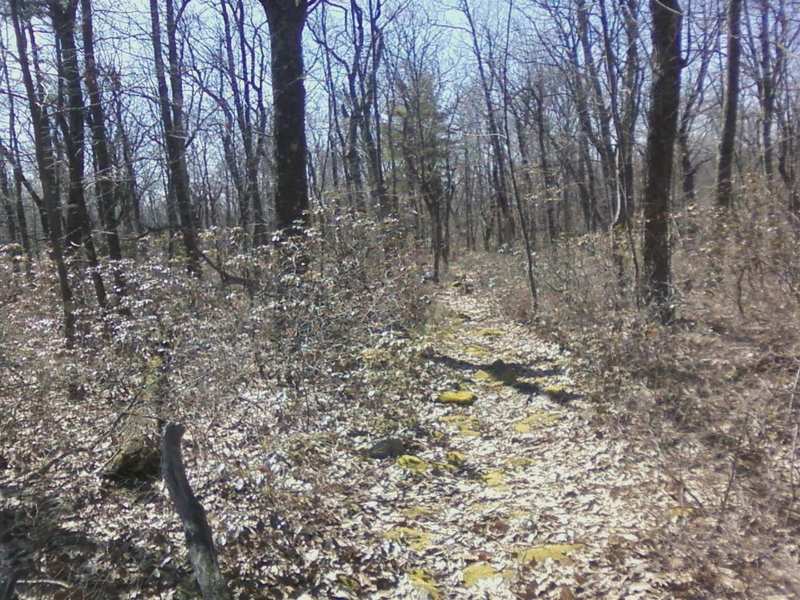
x=199, y=540
x=229, y=278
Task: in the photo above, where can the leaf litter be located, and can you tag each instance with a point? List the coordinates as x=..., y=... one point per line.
x=509, y=495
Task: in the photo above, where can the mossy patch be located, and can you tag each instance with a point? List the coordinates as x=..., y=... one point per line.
x=416, y=539
x=412, y=463
x=555, y=552
x=417, y=512
x=424, y=582
x=477, y=572
x=536, y=420
x=456, y=458
x=556, y=391
x=477, y=351
x=467, y=425
x=486, y=378
x=457, y=397
x=482, y=376
x=494, y=478
x=491, y=332
x=678, y=513
x=520, y=462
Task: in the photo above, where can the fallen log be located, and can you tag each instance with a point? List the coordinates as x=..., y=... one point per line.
x=199, y=540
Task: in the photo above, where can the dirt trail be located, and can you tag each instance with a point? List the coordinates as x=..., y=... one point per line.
x=526, y=497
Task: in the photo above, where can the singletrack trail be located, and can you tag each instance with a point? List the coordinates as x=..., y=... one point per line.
x=527, y=496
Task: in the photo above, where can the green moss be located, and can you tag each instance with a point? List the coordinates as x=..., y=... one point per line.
x=424, y=582
x=478, y=572
x=456, y=458
x=477, y=351
x=491, y=332
x=458, y=397
x=494, y=478
x=520, y=462
x=467, y=425
x=535, y=420
x=413, y=464
x=416, y=539
x=556, y=552
x=556, y=391
x=486, y=378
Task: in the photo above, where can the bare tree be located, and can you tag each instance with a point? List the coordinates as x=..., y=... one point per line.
x=731, y=108
x=45, y=161
x=172, y=118
x=661, y=133
x=287, y=19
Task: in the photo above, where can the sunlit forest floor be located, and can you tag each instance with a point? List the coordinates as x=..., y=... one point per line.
x=359, y=432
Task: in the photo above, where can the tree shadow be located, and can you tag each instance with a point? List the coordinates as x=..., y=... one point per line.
x=32, y=534
x=513, y=375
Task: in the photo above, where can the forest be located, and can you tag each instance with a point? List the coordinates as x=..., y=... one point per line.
x=491, y=299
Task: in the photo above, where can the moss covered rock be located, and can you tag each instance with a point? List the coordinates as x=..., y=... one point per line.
x=457, y=397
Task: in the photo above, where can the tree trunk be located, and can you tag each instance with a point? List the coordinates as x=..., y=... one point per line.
x=661, y=134
x=730, y=110
x=72, y=126
x=105, y=167
x=505, y=231
x=286, y=20
x=199, y=540
x=174, y=134
x=46, y=165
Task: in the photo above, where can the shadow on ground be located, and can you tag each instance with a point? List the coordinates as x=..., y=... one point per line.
x=514, y=375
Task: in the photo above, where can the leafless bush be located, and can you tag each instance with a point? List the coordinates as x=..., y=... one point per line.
x=715, y=391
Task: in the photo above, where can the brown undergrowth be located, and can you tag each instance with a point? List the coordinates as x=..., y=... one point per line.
x=262, y=363
x=715, y=392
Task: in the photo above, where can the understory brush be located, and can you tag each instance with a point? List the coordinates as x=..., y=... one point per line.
x=260, y=358
x=714, y=393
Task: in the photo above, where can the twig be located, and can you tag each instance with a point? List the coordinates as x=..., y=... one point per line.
x=56, y=582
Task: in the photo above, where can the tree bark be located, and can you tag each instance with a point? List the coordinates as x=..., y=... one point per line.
x=79, y=225
x=174, y=133
x=286, y=19
x=661, y=134
x=199, y=539
x=731, y=107
x=45, y=161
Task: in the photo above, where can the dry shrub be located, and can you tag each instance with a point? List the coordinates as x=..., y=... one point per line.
x=252, y=357
x=715, y=392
